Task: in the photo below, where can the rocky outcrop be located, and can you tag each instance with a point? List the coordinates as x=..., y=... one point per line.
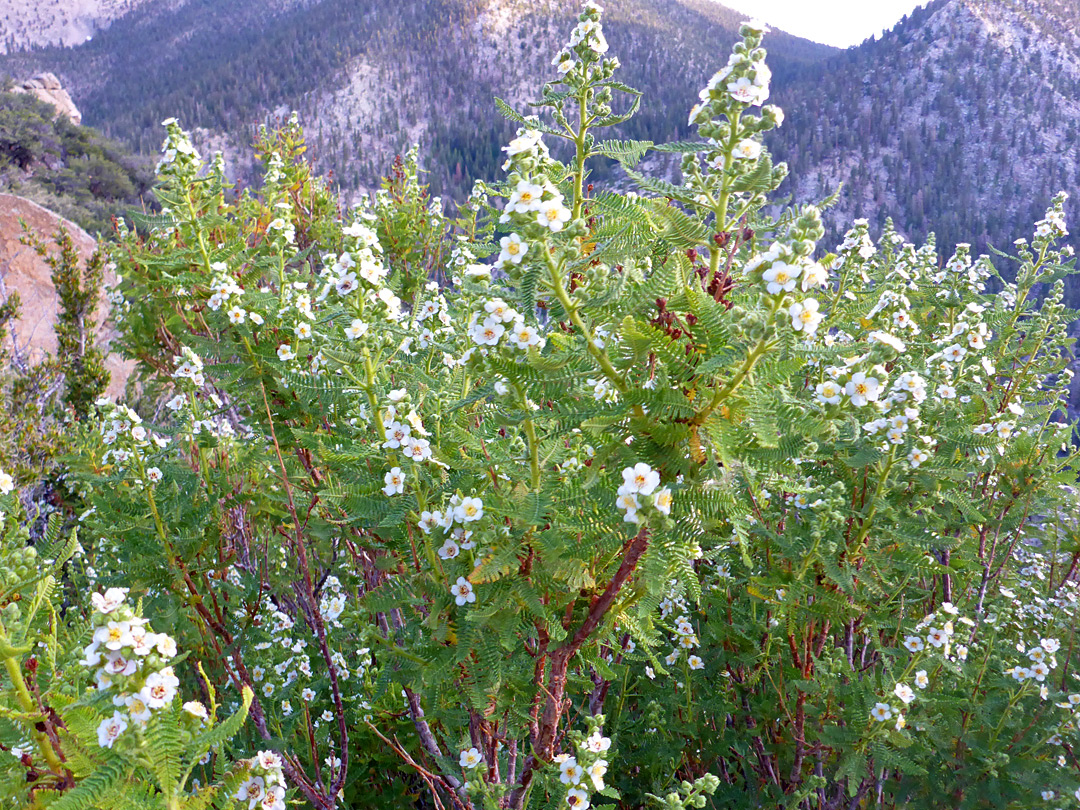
x=47, y=88
x=24, y=272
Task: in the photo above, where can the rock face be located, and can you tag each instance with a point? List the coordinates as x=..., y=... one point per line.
x=47, y=88
x=23, y=271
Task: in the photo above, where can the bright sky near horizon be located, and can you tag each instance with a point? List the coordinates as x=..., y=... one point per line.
x=834, y=22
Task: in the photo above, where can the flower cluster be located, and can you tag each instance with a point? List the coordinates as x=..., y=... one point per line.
x=782, y=271
x=584, y=770
x=130, y=661
x=459, y=520
x=189, y=366
x=587, y=41
x=178, y=155
x=129, y=443
x=498, y=320
x=640, y=492
x=264, y=789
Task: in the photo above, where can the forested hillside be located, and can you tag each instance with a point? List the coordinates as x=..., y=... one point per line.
x=962, y=120
x=963, y=116
x=369, y=79
x=72, y=170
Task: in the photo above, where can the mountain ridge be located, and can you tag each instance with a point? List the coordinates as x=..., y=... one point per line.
x=962, y=119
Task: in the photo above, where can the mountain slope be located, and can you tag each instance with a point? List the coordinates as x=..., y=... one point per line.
x=27, y=24
x=962, y=119
x=370, y=78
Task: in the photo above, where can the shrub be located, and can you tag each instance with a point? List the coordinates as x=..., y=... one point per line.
x=654, y=507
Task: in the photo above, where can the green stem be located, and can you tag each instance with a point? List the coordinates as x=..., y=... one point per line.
x=13, y=665
x=868, y=520
x=599, y=355
x=530, y=434
x=726, y=391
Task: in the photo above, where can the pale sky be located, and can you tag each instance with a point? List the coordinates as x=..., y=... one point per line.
x=834, y=22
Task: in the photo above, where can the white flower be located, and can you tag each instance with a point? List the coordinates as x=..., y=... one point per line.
x=781, y=277
x=904, y=692
x=746, y=91
x=814, y=275
x=629, y=503
x=525, y=198
x=109, y=601
x=553, y=215
x=449, y=550
x=356, y=330
x=577, y=799
x=936, y=637
x=114, y=635
x=881, y=712
x=418, y=449
x=640, y=479
x=914, y=644
x=110, y=729
x=828, y=392
x=397, y=434
x=469, y=509
x=954, y=353
x=268, y=760
x=196, y=710
x=154, y=474
x=524, y=336
x=862, y=389
x=513, y=249
x=921, y=679
x=346, y=284
x=805, y=316
x=160, y=688
x=395, y=481
x=695, y=662
x=570, y=773
x=253, y=791
x=488, y=332
x=748, y=149
x=303, y=330
x=470, y=759
x=663, y=500
x=285, y=352
x=597, y=742
x=596, y=773
x=917, y=457
x=463, y=591
x=237, y=315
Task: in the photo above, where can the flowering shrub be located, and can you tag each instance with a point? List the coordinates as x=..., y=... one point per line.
x=592, y=498
x=111, y=727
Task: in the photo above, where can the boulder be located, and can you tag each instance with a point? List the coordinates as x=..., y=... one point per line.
x=47, y=88
x=24, y=272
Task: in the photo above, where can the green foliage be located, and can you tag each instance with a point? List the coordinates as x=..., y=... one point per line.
x=68, y=168
x=652, y=508
x=66, y=752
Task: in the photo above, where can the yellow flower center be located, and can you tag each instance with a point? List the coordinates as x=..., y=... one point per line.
x=512, y=248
